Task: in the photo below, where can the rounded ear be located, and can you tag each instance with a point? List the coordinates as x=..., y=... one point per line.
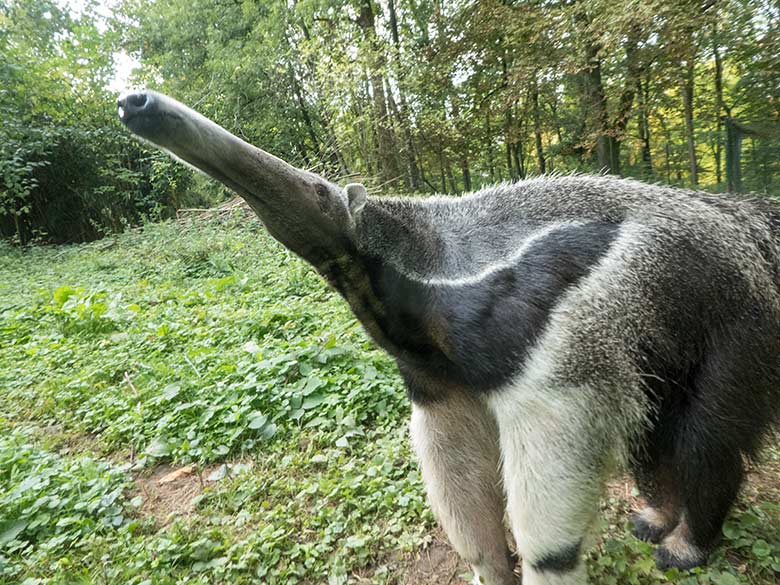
x=356, y=195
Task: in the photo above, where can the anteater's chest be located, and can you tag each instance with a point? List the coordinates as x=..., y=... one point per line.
x=476, y=331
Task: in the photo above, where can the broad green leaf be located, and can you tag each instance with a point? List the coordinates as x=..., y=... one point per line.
x=11, y=530
x=313, y=401
x=171, y=391
x=257, y=420
x=158, y=448
x=761, y=548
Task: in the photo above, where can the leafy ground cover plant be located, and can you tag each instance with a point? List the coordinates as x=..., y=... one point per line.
x=188, y=403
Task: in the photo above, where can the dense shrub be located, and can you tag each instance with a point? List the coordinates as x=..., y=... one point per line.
x=68, y=170
x=78, y=181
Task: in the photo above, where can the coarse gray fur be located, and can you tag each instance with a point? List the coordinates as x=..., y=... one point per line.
x=547, y=330
x=457, y=236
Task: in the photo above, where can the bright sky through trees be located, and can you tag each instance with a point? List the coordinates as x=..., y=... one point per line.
x=123, y=62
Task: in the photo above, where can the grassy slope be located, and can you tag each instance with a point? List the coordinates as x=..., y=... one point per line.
x=208, y=344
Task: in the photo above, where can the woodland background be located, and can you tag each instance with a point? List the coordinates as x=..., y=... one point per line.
x=409, y=96
x=187, y=402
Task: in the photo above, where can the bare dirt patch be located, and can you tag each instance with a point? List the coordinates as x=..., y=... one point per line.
x=623, y=489
x=437, y=564
x=68, y=442
x=168, y=492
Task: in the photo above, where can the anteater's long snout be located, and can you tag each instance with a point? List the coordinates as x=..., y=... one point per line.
x=153, y=116
x=305, y=212
x=132, y=104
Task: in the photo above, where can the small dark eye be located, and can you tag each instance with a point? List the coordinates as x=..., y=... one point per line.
x=323, y=196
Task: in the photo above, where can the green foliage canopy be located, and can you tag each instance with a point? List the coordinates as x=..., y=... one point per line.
x=68, y=171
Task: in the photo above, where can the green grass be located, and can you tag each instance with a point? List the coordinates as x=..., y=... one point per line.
x=208, y=344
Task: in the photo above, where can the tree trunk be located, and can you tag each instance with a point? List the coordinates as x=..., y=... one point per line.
x=466, y=172
x=450, y=176
x=366, y=129
x=385, y=138
x=667, y=152
x=518, y=155
x=718, y=107
x=596, y=103
x=733, y=156
x=644, y=128
x=509, y=165
x=305, y=112
x=557, y=123
x=540, y=161
x=413, y=171
x=608, y=135
x=508, y=140
x=489, y=146
x=442, y=165
x=594, y=108
x=687, y=94
x=331, y=146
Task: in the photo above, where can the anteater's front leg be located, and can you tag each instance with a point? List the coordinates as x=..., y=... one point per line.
x=456, y=439
x=553, y=472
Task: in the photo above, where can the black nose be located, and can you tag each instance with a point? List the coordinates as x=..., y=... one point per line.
x=131, y=104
